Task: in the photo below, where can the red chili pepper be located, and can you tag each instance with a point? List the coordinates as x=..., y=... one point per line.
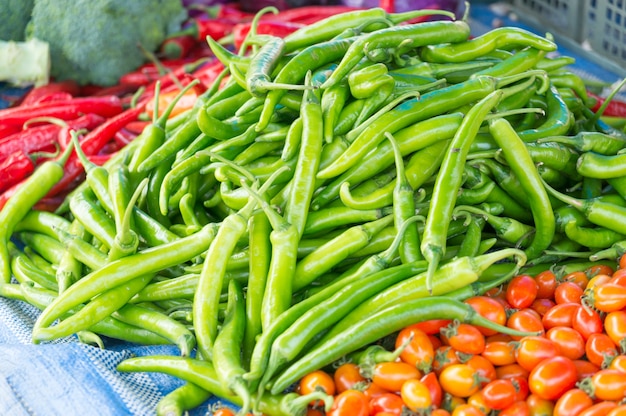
x=7, y=130
x=91, y=144
x=232, y=11
x=168, y=79
x=387, y=5
x=201, y=27
x=207, y=73
x=308, y=14
x=178, y=46
x=124, y=136
x=58, y=96
x=101, y=159
x=37, y=138
x=264, y=27
x=15, y=167
x=137, y=126
x=615, y=108
x=38, y=94
x=66, y=110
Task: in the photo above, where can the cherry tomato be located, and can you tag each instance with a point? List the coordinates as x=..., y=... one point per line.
x=572, y=402
x=416, y=395
x=521, y=291
x=392, y=374
x=568, y=292
x=618, y=363
x=542, y=305
x=585, y=368
x=617, y=410
x=519, y=408
x=531, y=351
x=511, y=371
x=499, y=337
x=597, y=269
x=485, y=369
x=609, y=297
x=552, y=377
x=525, y=320
x=224, y=411
x=546, y=283
x=467, y=410
x=477, y=400
x=587, y=321
x=615, y=326
x=432, y=326
x=431, y=381
x=521, y=387
x=463, y=338
x=417, y=348
x=315, y=381
x=597, y=280
x=622, y=262
x=602, y=409
x=499, y=394
x=562, y=314
x=373, y=390
x=499, y=352
x=388, y=402
x=350, y=403
x=444, y=356
x=570, y=342
x=439, y=412
x=599, y=348
x=539, y=406
x=459, y=380
x=348, y=376
x=488, y=308
x=609, y=384
x=579, y=277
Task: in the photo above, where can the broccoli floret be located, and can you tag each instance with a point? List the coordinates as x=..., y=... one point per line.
x=98, y=41
x=14, y=15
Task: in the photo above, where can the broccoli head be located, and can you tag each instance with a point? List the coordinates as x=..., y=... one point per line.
x=14, y=15
x=95, y=42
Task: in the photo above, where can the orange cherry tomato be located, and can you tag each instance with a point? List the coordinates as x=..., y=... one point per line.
x=416, y=395
x=485, y=369
x=531, y=351
x=444, y=356
x=572, y=402
x=316, y=381
x=579, y=277
x=599, y=348
x=618, y=363
x=539, y=406
x=616, y=411
x=604, y=408
x=519, y=408
x=488, y=308
x=224, y=411
x=459, y=380
x=348, y=376
x=477, y=400
x=609, y=384
x=615, y=326
x=467, y=410
x=499, y=352
x=350, y=403
x=392, y=374
x=542, y=305
x=552, y=377
x=609, y=297
x=570, y=342
x=597, y=280
x=597, y=269
x=417, y=347
x=511, y=371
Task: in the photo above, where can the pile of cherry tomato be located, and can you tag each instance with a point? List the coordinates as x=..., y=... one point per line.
x=577, y=366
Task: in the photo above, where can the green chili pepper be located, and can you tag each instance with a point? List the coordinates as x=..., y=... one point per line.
x=447, y=183
x=227, y=348
x=519, y=159
x=558, y=122
x=595, y=238
x=184, y=398
x=497, y=38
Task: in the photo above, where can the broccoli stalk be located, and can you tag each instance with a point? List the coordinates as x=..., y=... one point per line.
x=95, y=42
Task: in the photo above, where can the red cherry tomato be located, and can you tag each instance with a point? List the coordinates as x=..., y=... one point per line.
x=572, y=402
x=521, y=291
x=417, y=348
x=390, y=403
x=499, y=394
x=570, y=342
x=348, y=376
x=488, y=308
x=462, y=337
x=546, y=283
x=531, y=351
x=587, y=321
x=431, y=381
x=599, y=348
x=568, y=292
x=525, y=320
x=561, y=314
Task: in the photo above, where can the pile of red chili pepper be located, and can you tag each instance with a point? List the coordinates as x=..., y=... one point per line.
x=326, y=191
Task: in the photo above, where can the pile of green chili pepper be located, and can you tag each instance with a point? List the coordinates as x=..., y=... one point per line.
x=359, y=175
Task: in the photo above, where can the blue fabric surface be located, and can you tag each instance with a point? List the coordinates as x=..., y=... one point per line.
x=69, y=378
